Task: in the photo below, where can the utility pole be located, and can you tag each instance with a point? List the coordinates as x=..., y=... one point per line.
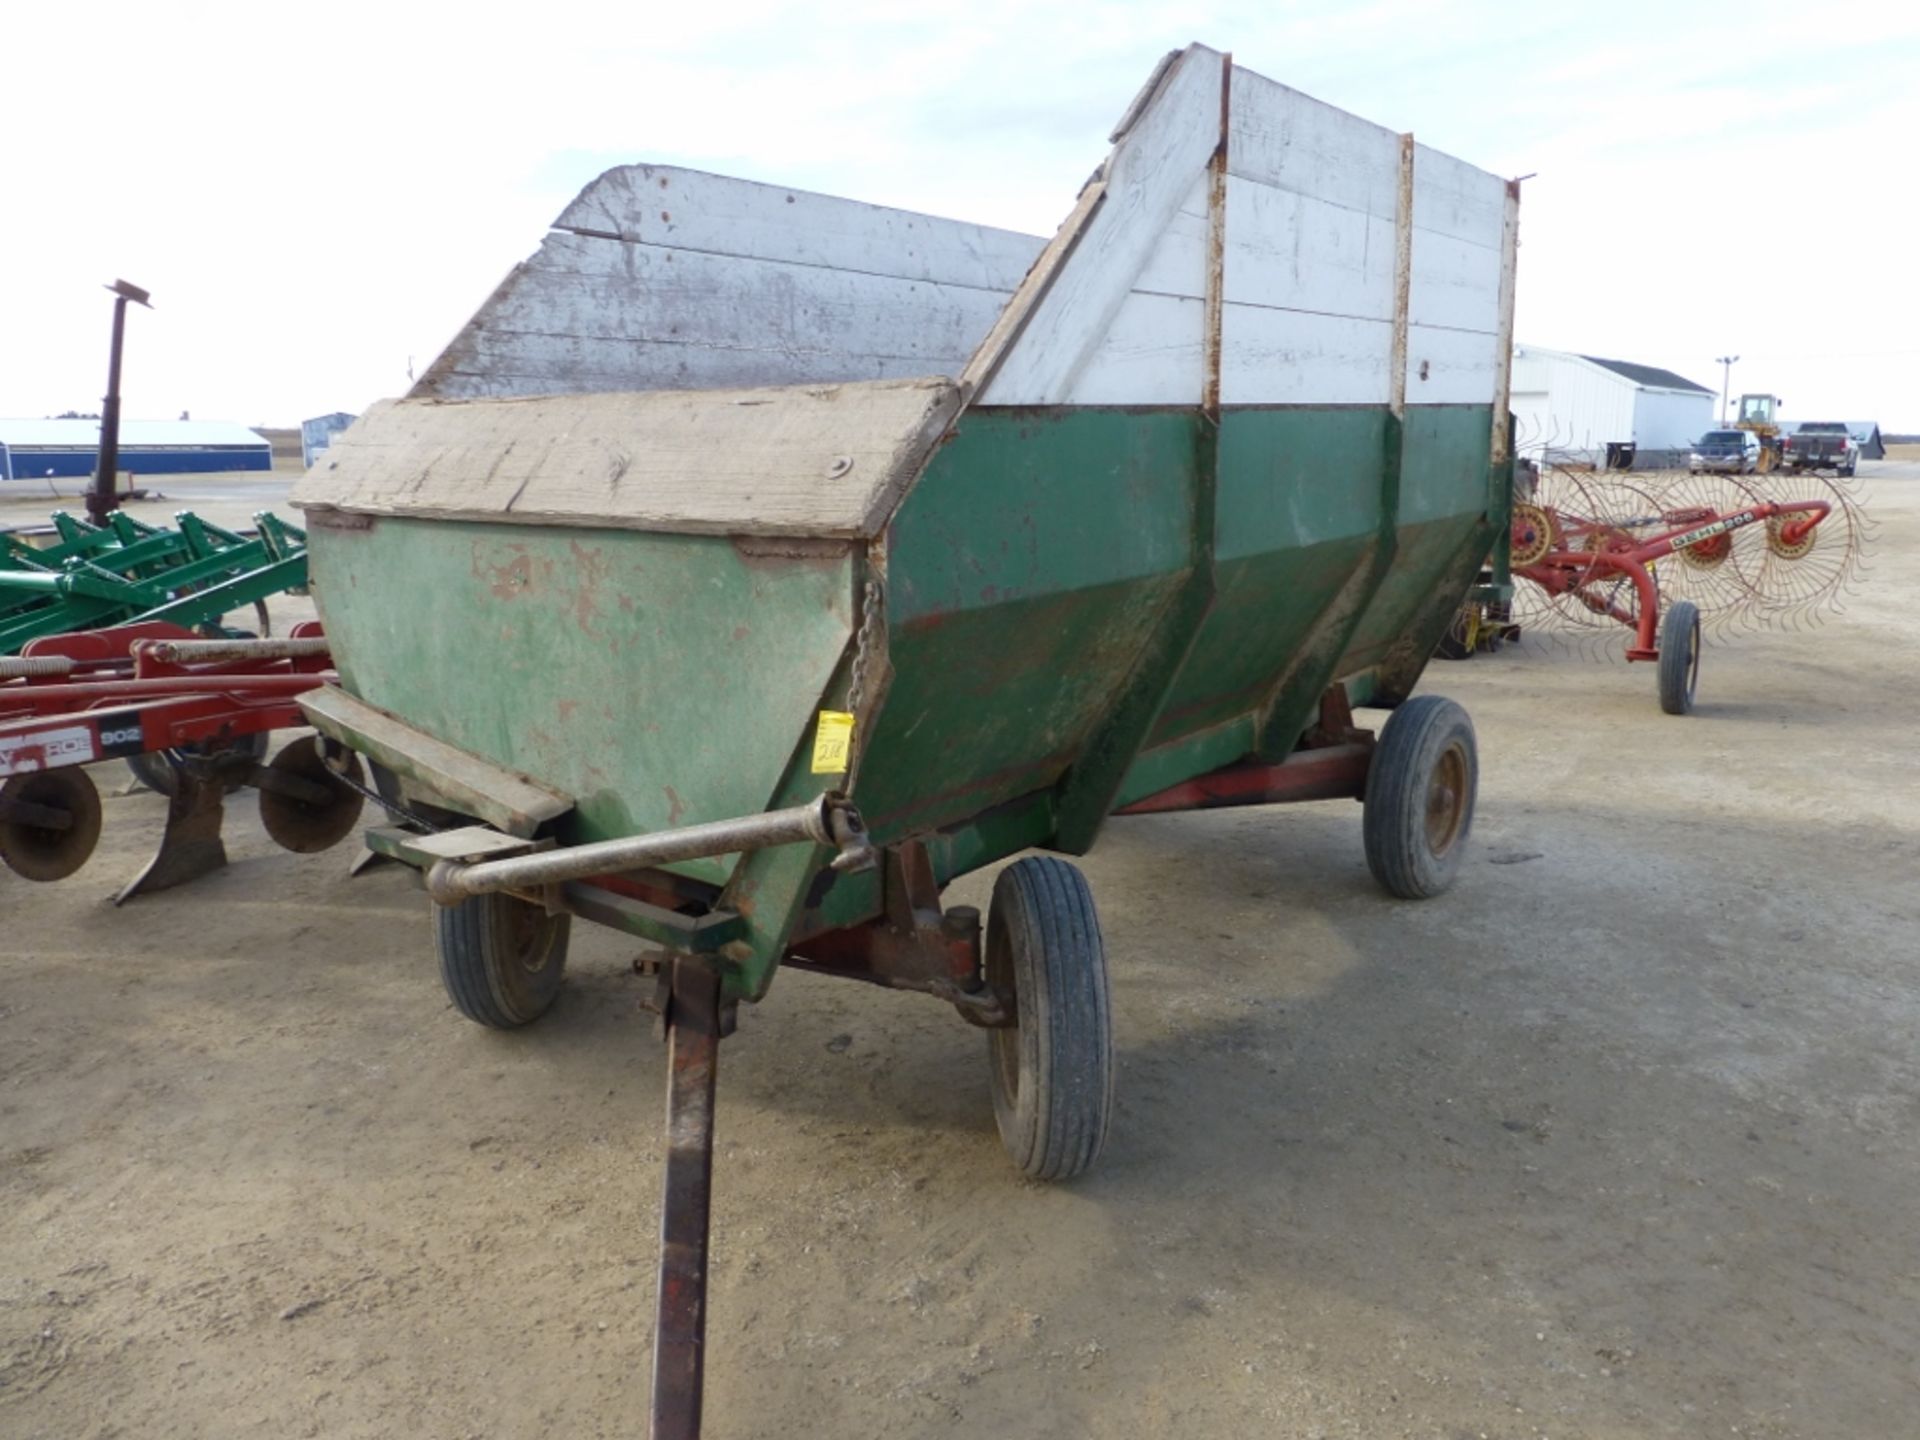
x=1726, y=363
x=104, y=495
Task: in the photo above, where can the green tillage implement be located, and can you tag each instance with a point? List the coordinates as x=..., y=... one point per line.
x=126, y=571
x=672, y=600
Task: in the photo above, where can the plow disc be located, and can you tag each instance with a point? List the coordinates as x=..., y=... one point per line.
x=49, y=823
x=303, y=804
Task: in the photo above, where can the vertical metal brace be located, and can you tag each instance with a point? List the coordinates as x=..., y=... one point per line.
x=1217, y=250
x=1402, y=280
x=1500, y=445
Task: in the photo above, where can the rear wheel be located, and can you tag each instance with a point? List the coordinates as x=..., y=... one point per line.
x=1679, y=657
x=501, y=958
x=1052, y=1070
x=1419, y=798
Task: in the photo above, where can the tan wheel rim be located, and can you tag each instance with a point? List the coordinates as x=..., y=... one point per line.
x=1778, y=543
x=1532, y=533
x=1446, y=800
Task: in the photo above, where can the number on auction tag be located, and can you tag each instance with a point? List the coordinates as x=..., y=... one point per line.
x=832, y=743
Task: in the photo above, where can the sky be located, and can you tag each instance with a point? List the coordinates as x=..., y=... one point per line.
x=318, y=196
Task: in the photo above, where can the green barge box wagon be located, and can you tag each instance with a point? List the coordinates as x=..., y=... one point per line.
x=755, y=562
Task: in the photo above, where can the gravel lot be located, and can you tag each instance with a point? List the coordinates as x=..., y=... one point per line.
x=1616, y=1139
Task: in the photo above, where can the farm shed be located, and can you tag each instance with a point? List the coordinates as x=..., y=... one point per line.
x=316, y=434
x=1582, y=408
x=37, y=449
x=1867, y=434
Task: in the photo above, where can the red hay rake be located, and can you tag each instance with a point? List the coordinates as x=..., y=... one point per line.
x=1664, y=554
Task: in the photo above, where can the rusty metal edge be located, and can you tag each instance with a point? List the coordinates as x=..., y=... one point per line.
x=462, y=780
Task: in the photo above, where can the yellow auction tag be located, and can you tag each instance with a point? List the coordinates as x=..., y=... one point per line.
x=832, y=742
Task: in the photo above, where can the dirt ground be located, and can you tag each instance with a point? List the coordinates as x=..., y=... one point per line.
x=1616, y=1139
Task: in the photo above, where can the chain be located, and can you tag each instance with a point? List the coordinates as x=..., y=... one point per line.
x=395, y=810
x=864, y=641
x=863, y=644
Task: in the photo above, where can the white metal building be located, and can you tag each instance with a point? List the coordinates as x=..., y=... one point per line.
x=1609, y=412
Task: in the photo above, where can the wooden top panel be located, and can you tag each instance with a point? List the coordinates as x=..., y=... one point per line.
x=818, y=460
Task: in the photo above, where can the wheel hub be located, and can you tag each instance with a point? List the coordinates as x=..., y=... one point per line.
x=1446, y=800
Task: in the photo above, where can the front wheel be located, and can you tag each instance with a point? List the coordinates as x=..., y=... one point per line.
x=1679, y=657
x=501, y=958
x=1052, y=1069
x=1419, y=799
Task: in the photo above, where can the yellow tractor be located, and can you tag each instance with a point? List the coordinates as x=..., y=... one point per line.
x=1756, y=414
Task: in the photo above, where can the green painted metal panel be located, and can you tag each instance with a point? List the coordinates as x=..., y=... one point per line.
x=1026, y=571
x=1299, y=506
x=1443, y=503
x=659, y=680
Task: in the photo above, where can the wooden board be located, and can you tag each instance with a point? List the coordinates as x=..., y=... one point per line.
x=662, y=278
x=824, y=461
x=602, y=314
x=670, y=208
x=1059, y=320
x=1288, y=141
x=1456, y=307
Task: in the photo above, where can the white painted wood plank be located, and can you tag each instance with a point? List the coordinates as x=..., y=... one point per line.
x=1453, y=198
x=511, y=363
x=690, y=318
x=1288, y=250
x=812, y=461
x=1294, y=357
x=1177, y=264
x=692, y=210
x=1290, y=141
x=1456, y=283
x=801, y=288
x=1064, y=310
x=1153, y=354
x=1451, y=367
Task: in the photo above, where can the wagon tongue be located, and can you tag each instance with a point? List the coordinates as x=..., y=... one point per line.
x=690, y=1014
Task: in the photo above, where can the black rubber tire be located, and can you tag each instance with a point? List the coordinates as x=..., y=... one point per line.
x=1419, y=800
x=1052, y=1072
x=501, y=958
x=1679, y=657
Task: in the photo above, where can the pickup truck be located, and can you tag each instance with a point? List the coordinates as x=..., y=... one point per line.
x=1821, y=445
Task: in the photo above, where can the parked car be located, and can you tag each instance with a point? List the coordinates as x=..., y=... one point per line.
x=1734, y=450
x=1822, y=445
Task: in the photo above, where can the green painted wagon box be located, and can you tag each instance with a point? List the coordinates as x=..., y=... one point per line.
x=1128, y=518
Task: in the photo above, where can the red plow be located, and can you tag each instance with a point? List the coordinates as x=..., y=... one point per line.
x=192, y=717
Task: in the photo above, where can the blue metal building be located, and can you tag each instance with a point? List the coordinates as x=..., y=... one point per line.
x=316, y=434
x=38, y=449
